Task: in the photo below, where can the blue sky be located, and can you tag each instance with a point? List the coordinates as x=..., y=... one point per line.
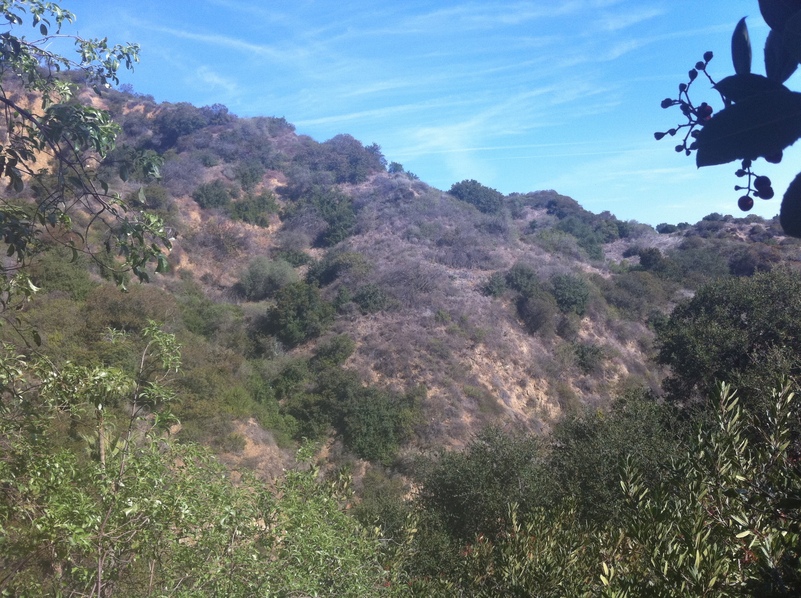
x=520, y=95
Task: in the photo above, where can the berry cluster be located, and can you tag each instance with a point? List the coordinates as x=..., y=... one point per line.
x=697, y=116
x=759, y=185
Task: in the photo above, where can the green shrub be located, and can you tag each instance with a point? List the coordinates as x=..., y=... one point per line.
x=54, y=271
x=336, y=264
x=215, y=194
x=333, y=352
x=254, y=209
x=470, y=491
x=539, y=313
x=589, y=357
x=571, y=293
x=371, y=298
x=495, y=285
x=743, y=330
x=523, y=279
x=263, y=278
x=300, y=314
x=295, y=257
x=487, y=200
x=249, y=174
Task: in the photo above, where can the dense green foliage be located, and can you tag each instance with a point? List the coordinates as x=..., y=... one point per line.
x=742, y=330
x=300, y=313
x=487, y=200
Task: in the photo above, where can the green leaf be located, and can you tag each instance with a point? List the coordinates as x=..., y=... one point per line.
x=43, y=29
x=36, y=337
x=758, y=126
x=124, y=172
x=741, y=49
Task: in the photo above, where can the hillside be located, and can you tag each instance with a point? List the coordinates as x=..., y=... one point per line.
x=488, y=309
x=238, y=361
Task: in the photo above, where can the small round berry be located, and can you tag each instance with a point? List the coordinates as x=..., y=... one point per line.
x=739, y=173
x=745, y=203
x=761, y=182
x=667, y=103
x=692, y=74
x=708, y=56
x=766, y=193
x=679, y=148
x=774, y=158
x=700, y=66
x=682, y=87
x=658, y=135
x=746, y=164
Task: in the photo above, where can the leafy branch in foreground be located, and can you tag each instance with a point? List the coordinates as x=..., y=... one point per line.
x=51, y=145
x=760, y=116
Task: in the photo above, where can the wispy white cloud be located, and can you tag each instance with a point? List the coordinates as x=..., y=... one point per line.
x=614, y=22
x=213, y=82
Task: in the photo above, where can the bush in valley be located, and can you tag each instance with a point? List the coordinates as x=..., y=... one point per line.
x=469, y=492
x=523, y=279
x=586, y=236
x=495, y=286
x=264, y=277
x=749, y=260
x=375, y=423
x=254, y=209
x=215, y=194
x=371, y=298
x=743, y=330
x=249, y=174
x=55, y=271
x=299, y=314
x=589, y=357
x=539, y=313
x=634, y=293
x=336, y=264
x=332, y=353
x=294, y=257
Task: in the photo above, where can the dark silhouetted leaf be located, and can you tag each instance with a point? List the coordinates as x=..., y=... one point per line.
x=790, y=215
x=758, y=126
x=777, y=12
x=779, y=64
x=791, y=36
x=739, y=87
x=741, y=49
